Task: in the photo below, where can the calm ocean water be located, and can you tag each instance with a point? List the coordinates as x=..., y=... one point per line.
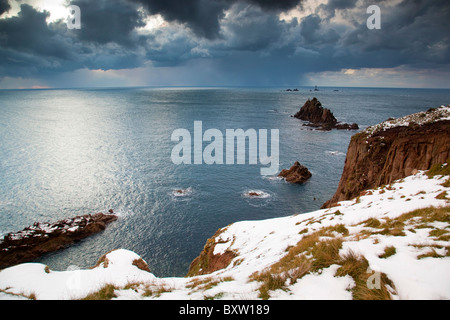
x=71, y=152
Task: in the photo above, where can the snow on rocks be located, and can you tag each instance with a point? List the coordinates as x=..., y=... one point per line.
x=420, y=118
x=41, y=238
x=35, y=279
x=397, y=236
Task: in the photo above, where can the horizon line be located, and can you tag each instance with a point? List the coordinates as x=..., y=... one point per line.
x=217, y=86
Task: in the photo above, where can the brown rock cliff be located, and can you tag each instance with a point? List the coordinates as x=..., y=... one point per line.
x=393, y=150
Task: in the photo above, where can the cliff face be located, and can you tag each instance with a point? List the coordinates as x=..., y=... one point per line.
x=393, y=150
x=209, y=259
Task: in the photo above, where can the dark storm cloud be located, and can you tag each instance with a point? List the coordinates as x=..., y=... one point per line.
x=248, y=42
x=280, y=5
x=4, y=6
x=251, y=29
x=415, y=32
x=203, y=16
x=30, y=45
x=329, y=9
x=105, y=21
x=28, y=32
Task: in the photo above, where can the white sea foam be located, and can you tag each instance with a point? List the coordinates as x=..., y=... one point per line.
x=273, y=178
x=335, y=153
x=124, y=213
x=256, y=194
x=182, y=192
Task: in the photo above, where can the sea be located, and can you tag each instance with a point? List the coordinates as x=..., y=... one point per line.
x=69, y=152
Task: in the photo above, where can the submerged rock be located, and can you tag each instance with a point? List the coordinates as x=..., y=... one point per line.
x=296, y=174
x=40, y=238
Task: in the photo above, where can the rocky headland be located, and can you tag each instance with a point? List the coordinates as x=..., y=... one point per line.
x=392, y=150
x=321, y=118
x=41, y=238
x=381, y=245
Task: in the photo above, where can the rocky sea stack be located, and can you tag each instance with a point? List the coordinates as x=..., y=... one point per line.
x=321, y=118
x=296, y=174
x=41, y=238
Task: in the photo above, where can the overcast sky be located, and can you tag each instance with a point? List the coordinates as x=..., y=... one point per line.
x=224, y=43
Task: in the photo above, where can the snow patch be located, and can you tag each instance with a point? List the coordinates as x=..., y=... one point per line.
x=258, y=245
x=420, y=118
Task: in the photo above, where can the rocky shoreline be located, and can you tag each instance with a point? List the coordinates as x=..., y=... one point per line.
x=381, y=245
x=41, y=238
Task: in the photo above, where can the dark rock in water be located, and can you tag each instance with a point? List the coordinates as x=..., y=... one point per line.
x=296, y=174
x=321, y=118
x=313, y=112
x=40, y=238
x=347, y=126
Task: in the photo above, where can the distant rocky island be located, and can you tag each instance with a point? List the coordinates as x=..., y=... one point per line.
x=321, y=118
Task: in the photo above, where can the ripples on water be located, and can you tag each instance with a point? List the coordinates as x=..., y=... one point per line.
x=72, y=152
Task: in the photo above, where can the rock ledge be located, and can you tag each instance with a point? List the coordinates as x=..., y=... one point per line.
x=40, y=238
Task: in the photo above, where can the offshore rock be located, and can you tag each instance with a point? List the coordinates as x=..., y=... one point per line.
x=296, y=174
x=321, y=118
x=40, y=238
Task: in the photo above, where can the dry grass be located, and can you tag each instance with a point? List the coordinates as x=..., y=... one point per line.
x=442, y=196
x=388, y=251
x=203, y=284
x=357, y=267
x=311, y=254
x=320, y=249
x=439, y=169
x=104, y=293
x=446, y=183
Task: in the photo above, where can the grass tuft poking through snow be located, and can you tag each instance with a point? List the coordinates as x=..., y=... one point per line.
x=392, y=242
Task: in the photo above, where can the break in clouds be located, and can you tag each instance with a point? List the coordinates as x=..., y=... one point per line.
x=247, y=40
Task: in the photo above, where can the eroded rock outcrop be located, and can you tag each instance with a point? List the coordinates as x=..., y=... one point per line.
x=40, y=238
x=393, y=150
x=296, y=174
x=209, y=260
x=321, y=118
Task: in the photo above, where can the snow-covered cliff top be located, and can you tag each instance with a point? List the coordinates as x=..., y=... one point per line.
x=387, y=243
x=420, y=118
